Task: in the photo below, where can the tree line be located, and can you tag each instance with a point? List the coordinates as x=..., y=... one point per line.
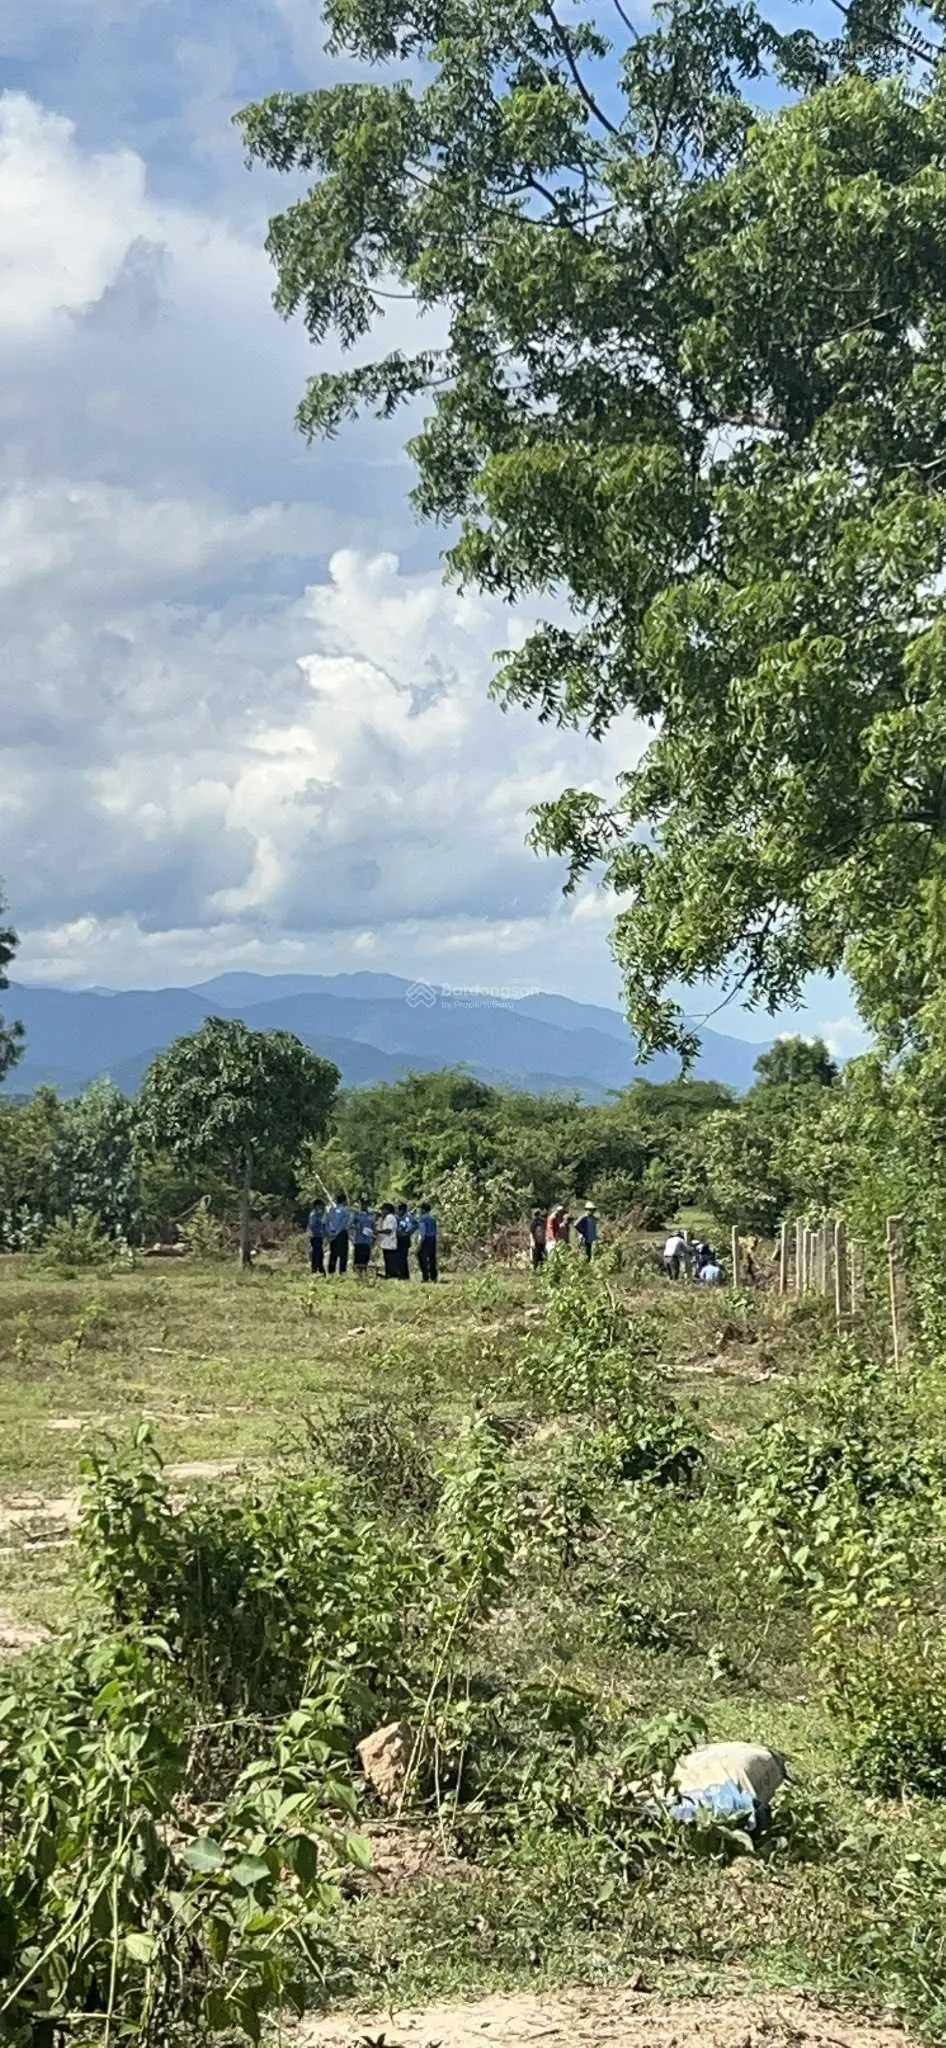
x=252, y=1124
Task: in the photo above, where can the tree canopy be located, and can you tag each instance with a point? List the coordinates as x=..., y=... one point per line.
x=690, y=398
x=791, y=1062
x=238, y=1100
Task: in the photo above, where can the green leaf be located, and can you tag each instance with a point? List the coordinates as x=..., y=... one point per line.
x=250, y=1871
x=358, y=1851
x=204, y=1856
x=140, y=1947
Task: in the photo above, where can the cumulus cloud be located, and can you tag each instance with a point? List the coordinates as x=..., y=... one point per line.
x=234, y=723
x=242, y=722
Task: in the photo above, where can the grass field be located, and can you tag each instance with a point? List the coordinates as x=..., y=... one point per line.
x=637, y=1617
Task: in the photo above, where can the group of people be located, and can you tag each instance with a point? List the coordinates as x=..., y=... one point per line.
x=549, y=1230
x=684, y=1255
x=338, y=1228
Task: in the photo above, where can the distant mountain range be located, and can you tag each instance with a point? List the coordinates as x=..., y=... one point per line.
x=376, y=1027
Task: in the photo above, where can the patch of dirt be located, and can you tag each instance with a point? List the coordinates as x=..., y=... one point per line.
x=592, y=2019
x=34, y=1516
x=402, y=1855
x=205, y=1468
x=37, y=1519
x=17, y=1636
x=722, y=1365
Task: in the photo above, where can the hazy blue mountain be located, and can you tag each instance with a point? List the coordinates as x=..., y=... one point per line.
x=375, y=1027
x=235, y=991
x=92, y=1034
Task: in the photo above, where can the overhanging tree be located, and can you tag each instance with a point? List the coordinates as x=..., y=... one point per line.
x=693, y=389
x=11, y=1035
x=240, y=1101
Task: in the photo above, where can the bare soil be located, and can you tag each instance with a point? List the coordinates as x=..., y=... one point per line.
x=33, y=1515
x=17, y=1636
x=597, y=2019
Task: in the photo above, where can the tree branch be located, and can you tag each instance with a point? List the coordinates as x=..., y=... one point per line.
x=922, y=48
x=629, y=25
x=570, y=59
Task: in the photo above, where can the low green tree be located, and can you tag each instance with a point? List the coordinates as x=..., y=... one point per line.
x=30, y=1133
x=94, y=1161
x=241, y=1101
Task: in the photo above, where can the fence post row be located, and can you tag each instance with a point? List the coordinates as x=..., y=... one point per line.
x=828, y=1262
x=842, y=1276
x=896, y=1263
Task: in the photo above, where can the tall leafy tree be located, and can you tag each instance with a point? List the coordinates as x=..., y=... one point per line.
x=690, y=381
x=11, y=1035
x=240, y=1101
x=796, y=1062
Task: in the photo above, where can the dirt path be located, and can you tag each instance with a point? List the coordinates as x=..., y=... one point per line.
x=598, y=2019
x=32, y=1514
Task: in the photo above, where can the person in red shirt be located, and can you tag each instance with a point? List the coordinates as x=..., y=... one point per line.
x=555, y=1229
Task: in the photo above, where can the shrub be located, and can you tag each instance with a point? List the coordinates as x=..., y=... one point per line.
x=383, y=1449
x=203, y=1233
x=120, y=1920
x=595, y=1359
x=77, y=1242
x=843, y=1447
x=261, y=1598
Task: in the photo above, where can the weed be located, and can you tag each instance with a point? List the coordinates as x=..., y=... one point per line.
x=122, y=1920
x=383, y=1448
x=203, y=1233
x=262, y=1597
x=76, y=1242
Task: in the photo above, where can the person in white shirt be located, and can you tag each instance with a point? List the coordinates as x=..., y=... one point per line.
x=674, y=1254
x=387, y=1239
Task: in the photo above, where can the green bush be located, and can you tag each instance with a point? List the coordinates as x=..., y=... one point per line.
x=596, y=1360
x=120, y=1920
x=74, y=1243
x=261, y=1597
x=844, y=1447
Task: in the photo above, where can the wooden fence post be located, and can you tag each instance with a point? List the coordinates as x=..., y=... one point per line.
x=896, y=1263
x=856, y=1252
x=822, y=1255
x=799, y=1258
x=736, y=1258
x=783, y=1259
x=842, y=1278
x=811, y=1267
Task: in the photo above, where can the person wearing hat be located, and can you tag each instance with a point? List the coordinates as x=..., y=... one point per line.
x=587, y=1228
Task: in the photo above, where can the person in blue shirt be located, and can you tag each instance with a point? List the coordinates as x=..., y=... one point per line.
x=336, y=1230
x=317, y=1237
x=405, y=1227
x=427, y=1242
x=711, y=1274
x=587, y=1228
x=362, y=1233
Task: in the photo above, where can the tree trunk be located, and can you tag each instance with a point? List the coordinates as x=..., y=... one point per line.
x=246, y=1255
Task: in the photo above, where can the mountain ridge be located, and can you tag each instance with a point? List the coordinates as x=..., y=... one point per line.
x=375, y=1026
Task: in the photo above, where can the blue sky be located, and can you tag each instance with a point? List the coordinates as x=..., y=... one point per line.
x=242, y=722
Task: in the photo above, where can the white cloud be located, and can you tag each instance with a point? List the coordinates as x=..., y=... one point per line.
x=62, y=238
x=215, y=749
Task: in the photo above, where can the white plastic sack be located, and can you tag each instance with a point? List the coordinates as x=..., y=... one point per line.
x=754, y=1771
